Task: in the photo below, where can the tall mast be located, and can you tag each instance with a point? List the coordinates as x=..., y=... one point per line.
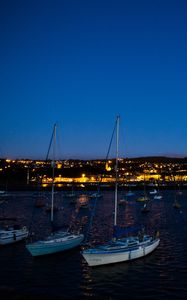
x=53, y=171
x=116, y=169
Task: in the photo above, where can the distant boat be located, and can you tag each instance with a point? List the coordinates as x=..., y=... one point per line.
x=145, y=208
x=129, y=193
x=4, y=195
x=57, y=241
x=96, y=195
x=72, y=196
x=13, y=234
x=122, y=201
x=83, y=201
x=179, y=193
x=120, y=249
x=157, y=197
x=153, y=192
x=143, y=199
x=176, y=203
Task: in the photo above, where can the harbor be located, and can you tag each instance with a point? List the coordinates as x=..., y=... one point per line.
x=161, y=275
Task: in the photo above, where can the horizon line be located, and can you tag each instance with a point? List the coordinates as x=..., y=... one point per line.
x=84, y=159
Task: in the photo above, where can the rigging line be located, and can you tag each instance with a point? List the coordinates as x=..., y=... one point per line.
x=111, y=140
x=51, y=140
x=91, y=221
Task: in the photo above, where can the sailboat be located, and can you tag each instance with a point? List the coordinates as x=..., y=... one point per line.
x=97, y=194
x=120, y=249
x=158, y=195
x=145, y=208
x=57, y=241
x=129, y=193
x=13, y=234
x=176, y=203
x=72, y=196
x=153, y=192
x=145, y=197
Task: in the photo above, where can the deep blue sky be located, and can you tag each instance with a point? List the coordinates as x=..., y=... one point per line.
x=82, y=62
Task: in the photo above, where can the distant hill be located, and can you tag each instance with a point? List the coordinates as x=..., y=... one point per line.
x=160, y=159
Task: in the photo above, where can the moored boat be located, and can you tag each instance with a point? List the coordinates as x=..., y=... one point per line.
x=119, y=248
x=60, y=240
x=57, y=242
x=12, y=235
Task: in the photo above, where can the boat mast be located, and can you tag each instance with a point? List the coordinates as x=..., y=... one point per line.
x=116, y=167
x=53, y=172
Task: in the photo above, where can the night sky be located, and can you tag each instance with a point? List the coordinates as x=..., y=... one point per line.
x=80, y=63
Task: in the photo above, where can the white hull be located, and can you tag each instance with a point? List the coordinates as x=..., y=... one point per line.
x=96, y=259
x=158, y=197
x=12, y=236
x=153, y=192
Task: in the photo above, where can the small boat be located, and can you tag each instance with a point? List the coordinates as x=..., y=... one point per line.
x=129, y=193
x=70, y=195
x=83, y=201
x=153, y=192
x=13, y=234
x=177, y=205
x=157, y=197
x=2, y=193
x=96, y=195
x=179, y=193
x=143, y=199
x=145, y=208
x=120, y=249
x=122, y=202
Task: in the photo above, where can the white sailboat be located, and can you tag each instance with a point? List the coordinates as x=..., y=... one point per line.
x=158, y=195
x=57, y=241
x=13, y=234
x=120, y=249
x=153, y=192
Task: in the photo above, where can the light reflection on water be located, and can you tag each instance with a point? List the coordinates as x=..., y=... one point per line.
x=161, y=275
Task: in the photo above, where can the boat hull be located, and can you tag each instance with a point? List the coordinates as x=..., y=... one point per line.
x=50, y=247
x=12, y=236
x=99, y=258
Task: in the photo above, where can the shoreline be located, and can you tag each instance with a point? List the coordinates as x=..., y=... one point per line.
x=94, y=187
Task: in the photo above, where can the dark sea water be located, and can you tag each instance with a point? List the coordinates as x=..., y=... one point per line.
x=160, y=275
